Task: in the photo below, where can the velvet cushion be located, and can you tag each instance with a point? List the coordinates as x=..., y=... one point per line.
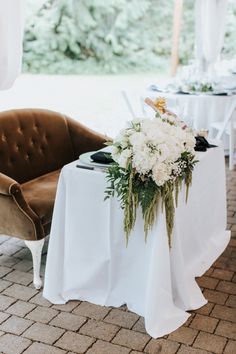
x=40, y=194
x=34, y=145
x=33, y=142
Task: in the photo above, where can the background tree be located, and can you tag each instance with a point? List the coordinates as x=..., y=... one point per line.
x=94, y=36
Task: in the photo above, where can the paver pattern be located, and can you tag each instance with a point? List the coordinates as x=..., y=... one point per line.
x=32, y=325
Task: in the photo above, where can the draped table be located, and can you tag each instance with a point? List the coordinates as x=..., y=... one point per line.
x=202, y=109
x=88, y=260
x=199, y=109
x=206, y=109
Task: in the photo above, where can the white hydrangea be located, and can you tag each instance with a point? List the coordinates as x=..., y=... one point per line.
x=154, y=146
x=143, y=160
x=138, y=140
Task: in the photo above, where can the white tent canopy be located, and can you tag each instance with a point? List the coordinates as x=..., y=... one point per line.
x=11, y=36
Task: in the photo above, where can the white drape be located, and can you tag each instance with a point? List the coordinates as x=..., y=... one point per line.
x=88, y=259
x=210, y=16
x=11, y=37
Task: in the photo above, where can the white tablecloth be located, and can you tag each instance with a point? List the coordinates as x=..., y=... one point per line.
x=88, y=260
x=206, y=109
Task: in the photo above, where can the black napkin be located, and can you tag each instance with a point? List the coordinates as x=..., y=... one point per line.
x=102, y=157
x=202, y=144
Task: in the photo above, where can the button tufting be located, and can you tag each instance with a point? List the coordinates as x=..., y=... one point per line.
x=4, y=138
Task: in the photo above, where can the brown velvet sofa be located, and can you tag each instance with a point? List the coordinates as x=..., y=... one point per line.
x=34, y=145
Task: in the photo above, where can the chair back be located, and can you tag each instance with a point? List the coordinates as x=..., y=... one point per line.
x=33, y=142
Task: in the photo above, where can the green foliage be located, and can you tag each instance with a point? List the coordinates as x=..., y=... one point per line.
x=148, y=194
x=102, y=34
x=118, y=183
x=97, y=36
x=168, y=201
x=133, y=190
x=229, y=48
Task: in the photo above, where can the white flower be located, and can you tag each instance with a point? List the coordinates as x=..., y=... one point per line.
x=122, y=139
x=138, y=139
x=123, y=158
x=115, y=152
x=161, y=173
x=143, y=161
x=190, y=141
x=154, y=146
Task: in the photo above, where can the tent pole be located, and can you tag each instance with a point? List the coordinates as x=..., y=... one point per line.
x=178, y=8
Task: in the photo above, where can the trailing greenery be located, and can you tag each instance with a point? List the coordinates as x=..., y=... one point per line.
x=134, y=190
x=152, y=159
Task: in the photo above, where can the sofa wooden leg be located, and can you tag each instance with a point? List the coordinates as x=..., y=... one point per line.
x=36, y=251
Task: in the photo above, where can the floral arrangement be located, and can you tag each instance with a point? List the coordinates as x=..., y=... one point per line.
x=152, y=158
x=191, y=86
x=199, y=86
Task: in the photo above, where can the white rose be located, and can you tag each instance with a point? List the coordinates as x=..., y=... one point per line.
x=161, y=173
x=123, y=158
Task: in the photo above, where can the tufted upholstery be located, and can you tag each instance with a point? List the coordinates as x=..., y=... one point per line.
x=34, y=145
x=30, y=146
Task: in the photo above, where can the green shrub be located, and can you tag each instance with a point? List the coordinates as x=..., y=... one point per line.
x=107, y=36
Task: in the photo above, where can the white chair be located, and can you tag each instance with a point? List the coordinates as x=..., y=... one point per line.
x=135, y=104
x=228, y=126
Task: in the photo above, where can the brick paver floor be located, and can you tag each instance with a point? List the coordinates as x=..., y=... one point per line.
x=30, y=324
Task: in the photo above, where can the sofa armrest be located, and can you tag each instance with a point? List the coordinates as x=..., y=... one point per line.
x=13, y=198
x=8, y=186
x=84, y=139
